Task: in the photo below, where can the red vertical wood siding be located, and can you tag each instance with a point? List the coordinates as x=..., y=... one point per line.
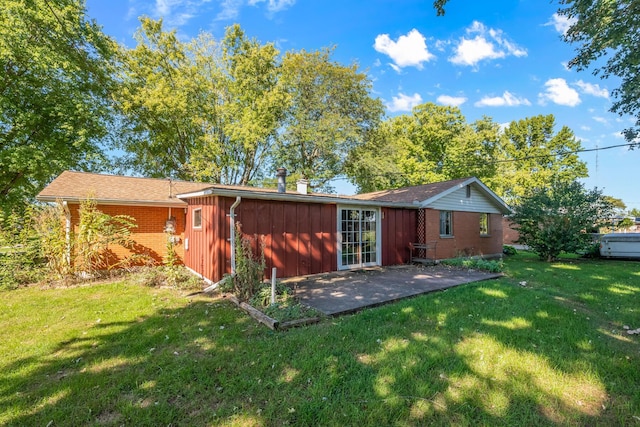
x=398, y=230
x=300, y=238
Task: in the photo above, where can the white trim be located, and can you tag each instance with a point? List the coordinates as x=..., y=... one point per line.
x=193, y=218
x=490, y=194
x=378, y=214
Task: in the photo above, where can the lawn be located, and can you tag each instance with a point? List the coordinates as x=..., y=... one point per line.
x=544, y=345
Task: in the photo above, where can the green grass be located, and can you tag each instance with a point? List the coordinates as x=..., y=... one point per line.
x=493, y=353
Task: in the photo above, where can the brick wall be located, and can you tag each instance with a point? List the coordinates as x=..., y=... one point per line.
x=466, y=239
x=149, y=236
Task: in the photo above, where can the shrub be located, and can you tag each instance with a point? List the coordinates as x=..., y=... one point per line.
x=492, y=266
x=509, y=250
x=249, y=266
x=21, y=261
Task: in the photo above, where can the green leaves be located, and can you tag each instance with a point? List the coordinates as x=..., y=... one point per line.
x=609, y=29
x=557, y=217
x=54, y=94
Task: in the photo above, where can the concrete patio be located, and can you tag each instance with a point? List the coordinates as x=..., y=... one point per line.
x=350, y=291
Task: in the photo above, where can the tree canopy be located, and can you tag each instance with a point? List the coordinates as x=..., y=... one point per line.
x=436, y=143
x=55, y=82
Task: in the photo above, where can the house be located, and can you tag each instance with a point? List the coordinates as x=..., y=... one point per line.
x=303, y=233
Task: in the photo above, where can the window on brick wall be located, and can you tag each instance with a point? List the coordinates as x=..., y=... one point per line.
x=197, y=218
x=484, y=224
x=446, y=223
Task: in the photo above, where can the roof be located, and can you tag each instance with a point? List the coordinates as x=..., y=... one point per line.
x=416, y=193
x=119, y=190
x=423, y=196
x=116, y=189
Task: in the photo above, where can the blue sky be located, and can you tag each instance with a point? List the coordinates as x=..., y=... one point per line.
x=502, y=59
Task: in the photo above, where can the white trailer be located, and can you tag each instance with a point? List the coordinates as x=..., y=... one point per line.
x=620, y=245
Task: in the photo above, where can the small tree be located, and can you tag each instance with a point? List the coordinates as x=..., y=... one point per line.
x=559, y=218
x=97, y=231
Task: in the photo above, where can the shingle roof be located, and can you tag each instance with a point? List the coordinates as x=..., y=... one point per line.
x=115, y=189
x=417, y=193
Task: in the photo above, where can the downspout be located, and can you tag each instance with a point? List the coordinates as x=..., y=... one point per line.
x=232, y=238
x=67, y=232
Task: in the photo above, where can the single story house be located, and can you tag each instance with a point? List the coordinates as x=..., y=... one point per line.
x=303, y=233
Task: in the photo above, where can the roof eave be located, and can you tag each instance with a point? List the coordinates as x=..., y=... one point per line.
x=293, y=197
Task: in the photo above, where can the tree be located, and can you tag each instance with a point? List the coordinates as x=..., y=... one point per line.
x=635, y=212
x=558, y=218
x=531, y=155
x=55, y=82
x=434, y=143
x=200, y=110
x=252, y=104
x=609, y=29
x=330, y=113
x=161, y=99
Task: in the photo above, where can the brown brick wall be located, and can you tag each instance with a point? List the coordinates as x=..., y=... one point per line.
x=149, y=235
x=466, y=239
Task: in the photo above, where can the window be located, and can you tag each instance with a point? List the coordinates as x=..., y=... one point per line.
x=484, y=224
x=446, y=225
x=197, y=218
x=468, y=191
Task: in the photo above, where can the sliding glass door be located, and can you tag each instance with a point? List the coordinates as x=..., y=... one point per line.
x=358, y=234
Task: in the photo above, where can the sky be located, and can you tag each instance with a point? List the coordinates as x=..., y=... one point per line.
x=501, y=59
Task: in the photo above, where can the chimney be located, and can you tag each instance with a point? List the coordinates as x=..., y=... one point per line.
x=282, y=180
x=303, y=185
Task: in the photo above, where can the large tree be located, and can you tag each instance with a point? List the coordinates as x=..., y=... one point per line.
x=330, y=113
x=54, y=94
x=200, y=109
x=532, y=154
x=251, y=107
x=161, y=100
x=434, y=143
x=609, y=29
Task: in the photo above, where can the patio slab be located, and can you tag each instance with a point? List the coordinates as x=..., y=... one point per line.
x=350, y=291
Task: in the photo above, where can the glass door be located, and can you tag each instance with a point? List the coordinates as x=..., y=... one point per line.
x=358, y=233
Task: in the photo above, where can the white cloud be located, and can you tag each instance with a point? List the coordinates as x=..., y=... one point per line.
x=274, y=5
x=592, y=89
x=454, y=101
x=488, y=43
x=506, y=100
x=404, y=102
x=618, y=135
x=561, y=23
x=585, y=128
x=559, y=92
x=177, y=13
x=409, y=51
x=600, y=120
x=230, y=10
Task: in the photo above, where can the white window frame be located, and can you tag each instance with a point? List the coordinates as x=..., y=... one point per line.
x=193, y=219
x=485, y=229
x=443, y=230
x=378, y=231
